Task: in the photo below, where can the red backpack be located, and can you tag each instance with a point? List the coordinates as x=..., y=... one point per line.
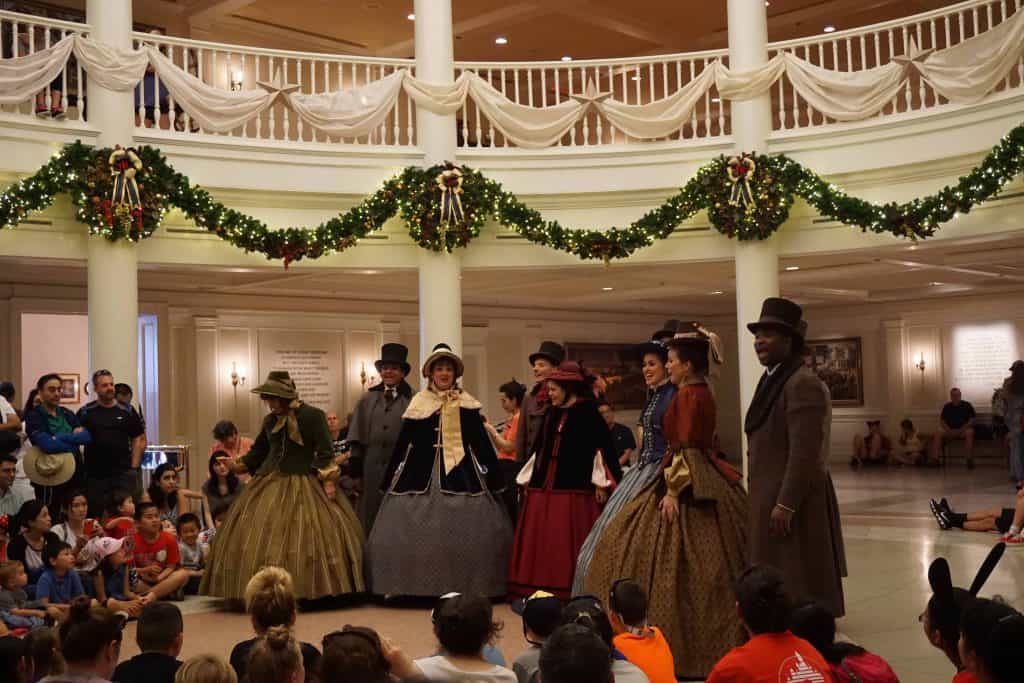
x=863, y=668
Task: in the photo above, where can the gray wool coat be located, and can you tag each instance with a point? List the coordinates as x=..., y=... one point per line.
x=373, y=432
x=788, y=464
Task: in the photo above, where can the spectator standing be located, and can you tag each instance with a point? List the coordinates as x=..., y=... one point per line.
x=113, y=458
x=1013, y=398
x=10, y=423
x=10, y=499
x=625, y=441
x=956, y=423
x=227, y=439
x=160, y=635
x=124, y=394
x=772, y=653
x=374, y=428
x=511, y=395
x=55, y=465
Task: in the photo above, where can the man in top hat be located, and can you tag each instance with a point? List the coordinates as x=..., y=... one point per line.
x=535, y=405
x=373, y=429
x=794, y=524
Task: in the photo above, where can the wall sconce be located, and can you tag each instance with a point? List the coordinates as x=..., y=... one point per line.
x=365, y=379
x=236, y=378
x=920, y=365
x=236, y=80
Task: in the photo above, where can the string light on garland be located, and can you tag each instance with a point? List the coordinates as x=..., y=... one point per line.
x=774, y=183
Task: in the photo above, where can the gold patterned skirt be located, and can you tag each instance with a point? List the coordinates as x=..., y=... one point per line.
x=688, y=567
x=287, y=521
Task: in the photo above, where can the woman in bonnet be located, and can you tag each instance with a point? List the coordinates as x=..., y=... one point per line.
x=442, y=526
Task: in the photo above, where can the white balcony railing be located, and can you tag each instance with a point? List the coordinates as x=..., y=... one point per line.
x=21, y=35
x=532, y=84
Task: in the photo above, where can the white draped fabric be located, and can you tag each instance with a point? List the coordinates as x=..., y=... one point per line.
x=23, y=77
x=970, y=70
x=966, y=72
x=350, y=113
x=213, y=109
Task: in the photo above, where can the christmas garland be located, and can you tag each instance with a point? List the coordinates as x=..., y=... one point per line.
x=124, y=195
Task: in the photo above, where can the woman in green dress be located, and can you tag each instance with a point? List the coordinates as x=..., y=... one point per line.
x=283, y=517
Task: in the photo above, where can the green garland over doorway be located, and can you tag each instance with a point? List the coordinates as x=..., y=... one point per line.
x=125, y=194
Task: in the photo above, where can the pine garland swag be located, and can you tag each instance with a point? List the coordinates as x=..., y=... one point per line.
x=82, y=172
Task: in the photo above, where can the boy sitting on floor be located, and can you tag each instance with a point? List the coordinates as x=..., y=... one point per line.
x=193, y=555
x=59, y=583
x=157, y=560
x=160, y=637
x=16, y=610
x=542, y=613
x=643, y=645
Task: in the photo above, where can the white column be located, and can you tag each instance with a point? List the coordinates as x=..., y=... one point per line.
x=757, y=263
x=440, y=286
x=113, y=267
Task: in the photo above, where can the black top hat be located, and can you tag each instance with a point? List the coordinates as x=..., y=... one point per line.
x=782, y=314
x=668, y=330
x=551, y=351
x=394, y=353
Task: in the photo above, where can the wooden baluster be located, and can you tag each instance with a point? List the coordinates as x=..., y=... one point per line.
x=286, y=123
x=383, y=134
x=906, y=48
x=679, y=86
x=781, y=95
x=465, y=123
x=501, y=75
x=572, y=131
x=1002, y=17
x=693, y=114
x=587, y=115
x=558, y=97
x=64, y=81
x=975, y=30
x=410, y=117
x=921, y=85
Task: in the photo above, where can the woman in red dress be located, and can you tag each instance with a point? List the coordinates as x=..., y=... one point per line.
x=567, y=480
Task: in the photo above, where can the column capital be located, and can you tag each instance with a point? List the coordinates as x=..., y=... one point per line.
x=203, y=322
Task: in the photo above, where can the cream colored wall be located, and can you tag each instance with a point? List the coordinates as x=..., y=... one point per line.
x=54, y=342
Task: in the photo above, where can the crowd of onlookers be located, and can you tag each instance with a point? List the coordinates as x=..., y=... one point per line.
x=585, y=639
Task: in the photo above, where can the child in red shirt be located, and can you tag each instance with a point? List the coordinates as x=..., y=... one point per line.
x=849, y=663
x=120, y=522
x=773, y=654
x=643, y=645
x=157, y=561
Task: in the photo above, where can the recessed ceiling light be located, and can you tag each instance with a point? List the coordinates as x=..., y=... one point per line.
x=501, y=40
x=370, y=272
x=411, y=17
x=636, y=77
x=791, y=268
x=607, y=289
x=566, y=58
x=936, y=284
x=716, y=100
x=766, y=3
x=829, y=28
x=716, y=292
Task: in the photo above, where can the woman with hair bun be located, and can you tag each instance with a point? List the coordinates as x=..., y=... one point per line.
x=270, y=602
x=90, y=641
x=205, y=669
x=566, y=482
x=683, y=537
x=276, y=658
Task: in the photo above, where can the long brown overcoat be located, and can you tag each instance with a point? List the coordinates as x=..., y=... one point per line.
x=788, y=465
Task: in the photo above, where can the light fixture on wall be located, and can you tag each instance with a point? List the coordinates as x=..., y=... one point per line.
x=236, y=80
x=921, y=365
x=237, y=378
x=364, y=378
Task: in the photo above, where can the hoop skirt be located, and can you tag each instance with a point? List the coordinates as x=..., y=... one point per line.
x=286, y=520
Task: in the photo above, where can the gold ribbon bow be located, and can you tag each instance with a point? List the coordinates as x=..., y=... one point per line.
x=449, y=182
x=451, y=429
x=740, y=169
x=290, y=422
x=124, y=165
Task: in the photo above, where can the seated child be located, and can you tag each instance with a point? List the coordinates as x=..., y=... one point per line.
x=160, y=636
x=910, y=448
x=16, y=610
x=206, y=536
x=850, y=663
x=542, y=613
x=642, y=645
x=206, y=669
x=463, y=625
x=60, y=583
x=587, y=610
x=112, y=579
x=193, y=556
x=157, y=561
x=120, y=521
x=5, y=536
x=992, y=641
x=42, y=652
x=772, y=653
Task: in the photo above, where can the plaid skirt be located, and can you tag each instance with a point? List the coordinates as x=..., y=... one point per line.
x=286, y=520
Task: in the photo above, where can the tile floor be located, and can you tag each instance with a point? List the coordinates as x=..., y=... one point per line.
x=890, y=541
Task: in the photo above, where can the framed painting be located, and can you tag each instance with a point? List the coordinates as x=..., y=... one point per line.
x=70, y=387
x=618, y=366
x=840, y=365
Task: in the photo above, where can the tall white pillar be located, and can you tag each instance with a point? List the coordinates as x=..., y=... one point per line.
x=440, y=286
x=757, y=263
x=113, y=267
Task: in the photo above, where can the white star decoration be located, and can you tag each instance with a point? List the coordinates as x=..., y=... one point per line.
x=277, y=86
x=914, y=54
x=590, y=94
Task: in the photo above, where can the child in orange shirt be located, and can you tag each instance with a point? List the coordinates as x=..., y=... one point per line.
x=643, y=645
x=772, y=654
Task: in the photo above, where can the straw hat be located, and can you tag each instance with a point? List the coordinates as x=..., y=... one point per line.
x=48, y=469
x=443, y=351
